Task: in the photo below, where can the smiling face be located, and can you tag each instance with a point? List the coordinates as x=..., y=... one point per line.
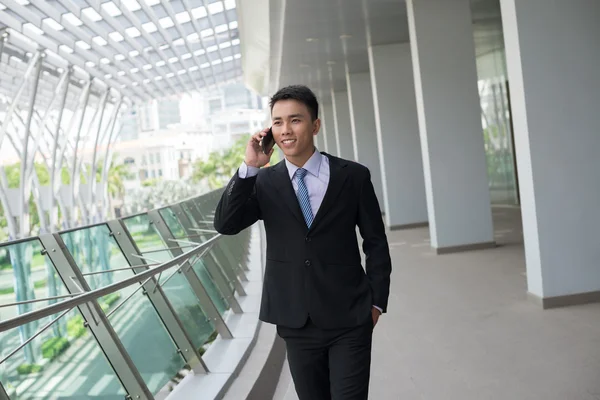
x=294, y=130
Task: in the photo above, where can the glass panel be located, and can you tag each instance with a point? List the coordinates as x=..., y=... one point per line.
x=173, y=222
x=137, y=323
x=187, y=210
x=147, y=238
x=496, y=114
x=63, y=362
x=209, y=284
x=177, y=288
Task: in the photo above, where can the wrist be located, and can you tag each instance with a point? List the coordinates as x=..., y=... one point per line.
x=253, y=164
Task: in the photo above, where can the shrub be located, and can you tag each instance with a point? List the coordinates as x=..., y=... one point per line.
x=26, y=369
x=54, y=347
x=75, y=327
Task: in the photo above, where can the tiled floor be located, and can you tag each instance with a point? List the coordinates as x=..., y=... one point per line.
x=460, y=327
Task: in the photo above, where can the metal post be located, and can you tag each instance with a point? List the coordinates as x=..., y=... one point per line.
x=75, y=178
x=13, y=105
x=205, y=301
x=3, y=394
x=8, y=213
x=53, y=172
x=212, y=268
x=107, y=162
x=23, y=198
x=3, y=38
x=96, y=320
x=158, y=298
x=92, y=180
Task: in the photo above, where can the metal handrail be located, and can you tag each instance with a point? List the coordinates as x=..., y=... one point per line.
x=103, y=291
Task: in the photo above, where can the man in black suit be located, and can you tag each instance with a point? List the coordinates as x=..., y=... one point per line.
x=315, y=289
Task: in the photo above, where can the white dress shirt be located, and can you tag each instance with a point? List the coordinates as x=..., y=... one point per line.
x=316, y=180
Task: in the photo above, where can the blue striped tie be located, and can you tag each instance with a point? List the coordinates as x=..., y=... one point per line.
x=303, y=197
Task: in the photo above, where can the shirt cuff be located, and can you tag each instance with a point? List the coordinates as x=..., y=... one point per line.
x=247, y=171
x=380, y=310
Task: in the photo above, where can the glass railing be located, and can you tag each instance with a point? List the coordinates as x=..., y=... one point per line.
x=117, y=310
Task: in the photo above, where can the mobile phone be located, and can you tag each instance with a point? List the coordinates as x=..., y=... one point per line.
x=267, y=142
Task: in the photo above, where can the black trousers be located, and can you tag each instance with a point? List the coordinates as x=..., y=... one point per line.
x=329, y=364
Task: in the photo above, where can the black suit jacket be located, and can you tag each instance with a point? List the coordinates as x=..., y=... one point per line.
x=314, y=272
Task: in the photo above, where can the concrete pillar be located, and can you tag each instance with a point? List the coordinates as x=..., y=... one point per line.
x=397, y=130
x=344, y=129
x=552, y=57
x=448, y=105
x=322, y=136
x=364, y=131
x=331, y=142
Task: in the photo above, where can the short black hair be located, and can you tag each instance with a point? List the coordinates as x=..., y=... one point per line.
x=299, y=93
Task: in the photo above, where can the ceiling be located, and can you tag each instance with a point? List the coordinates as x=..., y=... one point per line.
x=141, y=49
x=322, y=39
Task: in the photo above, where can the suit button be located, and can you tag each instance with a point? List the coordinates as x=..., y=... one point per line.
x=308, y=239
x=307, y=263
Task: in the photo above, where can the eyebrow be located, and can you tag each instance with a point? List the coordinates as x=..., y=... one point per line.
x=290, y=116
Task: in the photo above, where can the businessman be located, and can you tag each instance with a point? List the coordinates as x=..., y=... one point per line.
x=315, y=290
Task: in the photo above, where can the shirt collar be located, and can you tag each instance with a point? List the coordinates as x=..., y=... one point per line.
x=313, y=165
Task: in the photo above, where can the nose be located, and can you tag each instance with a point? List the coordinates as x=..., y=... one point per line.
x=286, y=128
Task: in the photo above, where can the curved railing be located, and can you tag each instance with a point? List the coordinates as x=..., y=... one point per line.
x=121, y=309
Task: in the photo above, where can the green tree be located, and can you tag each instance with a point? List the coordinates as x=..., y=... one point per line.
x=218, y=168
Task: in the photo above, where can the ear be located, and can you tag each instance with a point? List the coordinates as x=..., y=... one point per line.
x=316, y=126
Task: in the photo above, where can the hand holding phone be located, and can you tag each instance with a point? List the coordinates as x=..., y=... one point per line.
x=260, y=148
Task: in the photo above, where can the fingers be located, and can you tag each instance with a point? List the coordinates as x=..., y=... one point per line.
x=257, y=137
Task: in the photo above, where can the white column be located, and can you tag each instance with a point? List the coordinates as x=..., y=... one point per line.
x=329, y=116
x=319, y=137
x=364, y=131
x=344, y=129
x=322, y=136
x=397, y=130
x=458, y=198
x=552, y=57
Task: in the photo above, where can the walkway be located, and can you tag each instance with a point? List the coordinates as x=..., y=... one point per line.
x=460, y=327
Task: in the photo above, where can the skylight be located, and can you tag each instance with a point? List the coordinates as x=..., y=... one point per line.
x=166, y=22
x=199, y=12
x=53, y=24
x=83, y=45
x=216, y=8
x=112, y=9
x=116, y=36
x=149, y=27
x=229, y=4
x=72, y=19
x=133, y=32
x=132, y=5
x=91, y=14
x=100, y=41
x=32, y=28
x=183, y=17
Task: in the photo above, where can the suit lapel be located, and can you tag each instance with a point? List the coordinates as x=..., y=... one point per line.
x=337, y=178
x=283, y=185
